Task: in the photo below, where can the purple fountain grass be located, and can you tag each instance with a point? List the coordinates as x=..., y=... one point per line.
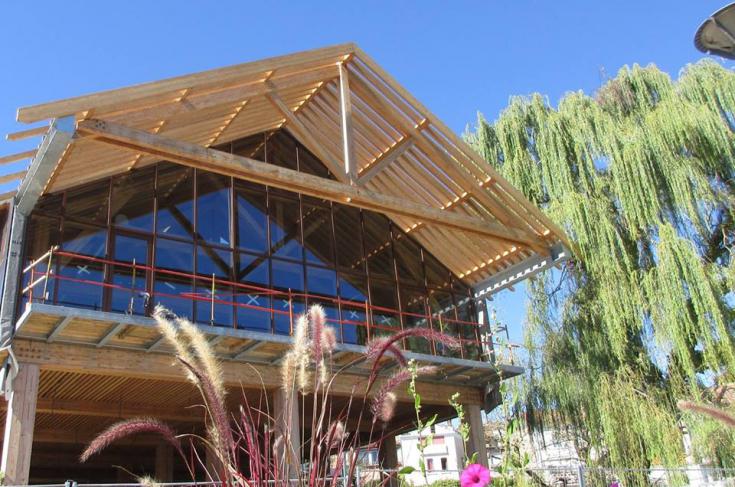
x=384, y=402
x=130, y=427
x=715, y=413
x=380, y=346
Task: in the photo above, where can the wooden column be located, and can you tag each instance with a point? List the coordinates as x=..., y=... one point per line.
x=388, y=457
x=286, y=415
x=477, y=434
x=345, y=105
x=164, y=463
x=19, y=422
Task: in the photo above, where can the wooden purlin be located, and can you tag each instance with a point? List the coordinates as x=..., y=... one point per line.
x=464, y=147
x=165, y=87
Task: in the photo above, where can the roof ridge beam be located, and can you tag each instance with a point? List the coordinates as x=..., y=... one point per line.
x=269, y=174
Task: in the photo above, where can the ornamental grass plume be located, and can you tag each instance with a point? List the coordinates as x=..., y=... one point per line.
x=715, y=413
x=274, y=457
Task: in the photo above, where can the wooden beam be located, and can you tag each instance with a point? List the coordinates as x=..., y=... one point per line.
x=29, y=154
x=19, y=421
x=212, y=77
x=6, y=178
x=345, y=108
x=227, y=96
x=24, y=134
x=138, y=364
x=385, y=160
x=63, y=323
x=303, y=134
x=269, y=174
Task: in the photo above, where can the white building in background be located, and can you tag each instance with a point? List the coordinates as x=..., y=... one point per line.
x=444, y=457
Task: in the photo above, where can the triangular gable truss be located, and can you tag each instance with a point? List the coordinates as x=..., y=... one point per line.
x=387, y=151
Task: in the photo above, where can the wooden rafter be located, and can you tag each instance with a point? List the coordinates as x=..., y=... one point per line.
x=385, y=160
x=24, y=134
x=260, y=172
x=17, y=157
x=304, y=135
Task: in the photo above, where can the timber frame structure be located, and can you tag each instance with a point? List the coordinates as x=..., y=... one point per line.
x=71, y=370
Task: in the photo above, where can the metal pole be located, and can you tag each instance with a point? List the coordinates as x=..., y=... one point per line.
x=211, y=310
x=580, y=475
x=290, y=313
x=49, y=270
x=132, y=291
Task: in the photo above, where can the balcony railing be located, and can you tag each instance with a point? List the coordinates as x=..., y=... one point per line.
x=355, y=320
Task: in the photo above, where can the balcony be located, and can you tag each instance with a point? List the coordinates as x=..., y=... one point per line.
x=51, y=314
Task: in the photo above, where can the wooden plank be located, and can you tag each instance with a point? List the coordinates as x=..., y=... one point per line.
x=269, y=174
x=19, y=422
x=24, y=134
x=111, y=333
x=6, y=178
x=303, y=134
x=223, y=97
x=232, y=73
x=63, y=323
x=345, y=108
x=29, y=154
x=385, y=160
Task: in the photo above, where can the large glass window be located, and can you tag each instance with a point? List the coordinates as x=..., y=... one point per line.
x=271, y=252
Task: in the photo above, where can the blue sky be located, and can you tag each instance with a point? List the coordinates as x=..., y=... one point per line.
x=458, y=58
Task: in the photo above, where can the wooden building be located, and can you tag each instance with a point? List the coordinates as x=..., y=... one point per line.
x=237, y=197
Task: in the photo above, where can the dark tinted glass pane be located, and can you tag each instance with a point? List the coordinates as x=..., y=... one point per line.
x=353, y=294
x=467, y=324
x=310, y=164
x=441, y=306
x=214, y=308
x=408, y=261
x=384, y=307
x=285, y=228
x=413, y=305
x=175, y=201
x=50, y=204
x=88, y=203
x=251, y=218
x=79, y=280
x=254, y=302
x=321, y=281
x=43, y=232
x=377, y=245
x=174, y=292
x=318, y=235
x=437, y=276
x=288, y=275
x=348, y=238
x=129, y=249
x=281, y=150
x=213, y=208
x=214, y=261
x=253, y=146
x=132, y=200
x=84, y=240
x=171, y=254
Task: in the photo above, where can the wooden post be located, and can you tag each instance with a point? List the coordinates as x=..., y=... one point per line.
x=164, y=462
x=346, y=112
x=388, y=458
x=286, y=415
x=476, y=444
x=19, y=422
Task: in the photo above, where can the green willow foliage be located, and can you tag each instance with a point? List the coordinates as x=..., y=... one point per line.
x=641, y=178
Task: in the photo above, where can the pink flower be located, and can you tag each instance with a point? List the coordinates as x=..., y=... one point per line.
x=475, y=475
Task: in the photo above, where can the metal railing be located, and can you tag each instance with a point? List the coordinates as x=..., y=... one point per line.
x=477, y=343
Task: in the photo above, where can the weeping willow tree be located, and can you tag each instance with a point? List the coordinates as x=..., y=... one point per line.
x=640, y=176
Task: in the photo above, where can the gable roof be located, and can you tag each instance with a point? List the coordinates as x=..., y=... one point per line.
x=398, y=147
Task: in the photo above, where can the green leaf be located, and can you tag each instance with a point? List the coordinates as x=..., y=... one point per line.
x=407, y=470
